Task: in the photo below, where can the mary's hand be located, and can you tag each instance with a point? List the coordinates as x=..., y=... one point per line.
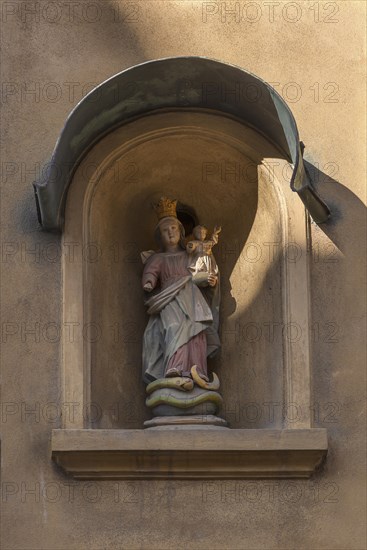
x=204, y=279
x=148, y=287
x=212, y=280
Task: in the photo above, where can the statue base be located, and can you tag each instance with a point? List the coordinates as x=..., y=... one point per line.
x=177, y=402
x=169, y=401
x=209, y=420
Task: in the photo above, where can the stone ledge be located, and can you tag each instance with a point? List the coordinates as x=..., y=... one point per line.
x=216, y=453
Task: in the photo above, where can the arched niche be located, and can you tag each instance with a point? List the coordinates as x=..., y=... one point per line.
x=231, y=174
x=173, y=83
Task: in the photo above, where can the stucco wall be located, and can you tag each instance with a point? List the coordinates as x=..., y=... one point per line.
x=52, y=53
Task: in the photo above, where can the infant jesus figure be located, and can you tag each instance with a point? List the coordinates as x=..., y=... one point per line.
x=201, y=259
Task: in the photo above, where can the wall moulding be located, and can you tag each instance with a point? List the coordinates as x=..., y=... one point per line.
x=217, y=453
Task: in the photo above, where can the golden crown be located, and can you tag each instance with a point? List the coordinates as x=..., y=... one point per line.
x=165, y=207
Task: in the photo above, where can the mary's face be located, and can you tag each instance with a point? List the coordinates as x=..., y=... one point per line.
x=170, y=233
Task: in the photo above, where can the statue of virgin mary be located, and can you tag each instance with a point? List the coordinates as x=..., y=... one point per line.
x=183, y=307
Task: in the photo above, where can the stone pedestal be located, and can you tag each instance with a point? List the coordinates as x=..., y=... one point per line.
x=204, y=421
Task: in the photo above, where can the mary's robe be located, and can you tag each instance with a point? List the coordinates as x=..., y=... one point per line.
x=182, y=323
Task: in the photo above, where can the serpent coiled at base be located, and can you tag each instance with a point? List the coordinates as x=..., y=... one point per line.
x=177, y=383
x=186, y=402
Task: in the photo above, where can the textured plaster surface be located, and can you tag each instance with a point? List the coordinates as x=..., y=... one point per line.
x=56, y=50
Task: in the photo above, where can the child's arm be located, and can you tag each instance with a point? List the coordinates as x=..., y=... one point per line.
x=215, y=235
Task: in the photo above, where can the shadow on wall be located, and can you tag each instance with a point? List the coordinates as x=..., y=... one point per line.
x=117, y=37
x=338, y=310
x=346, y=227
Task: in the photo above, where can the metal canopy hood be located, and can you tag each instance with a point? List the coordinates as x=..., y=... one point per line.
x=172, y=83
